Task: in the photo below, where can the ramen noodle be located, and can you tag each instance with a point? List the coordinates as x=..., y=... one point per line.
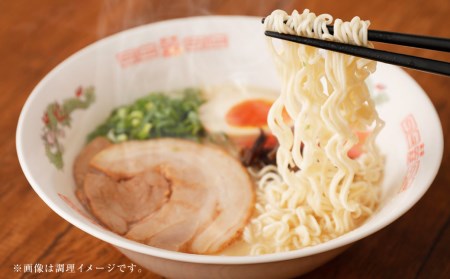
x=326, y=180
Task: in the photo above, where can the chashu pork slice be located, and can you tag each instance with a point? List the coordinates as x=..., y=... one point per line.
x=81, y=163
x=120, y=203
x=191, y=208
x=211, y=194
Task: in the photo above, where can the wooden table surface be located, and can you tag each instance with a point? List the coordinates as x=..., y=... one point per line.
x=35, y=36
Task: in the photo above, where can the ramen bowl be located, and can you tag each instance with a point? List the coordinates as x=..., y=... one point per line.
x=198, y=52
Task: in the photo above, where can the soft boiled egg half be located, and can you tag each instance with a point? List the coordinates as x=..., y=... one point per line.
x=238, y=111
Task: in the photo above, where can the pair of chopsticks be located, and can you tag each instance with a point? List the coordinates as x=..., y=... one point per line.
x=409, y=61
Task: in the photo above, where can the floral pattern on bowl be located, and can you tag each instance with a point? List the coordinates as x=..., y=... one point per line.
x=57, y=117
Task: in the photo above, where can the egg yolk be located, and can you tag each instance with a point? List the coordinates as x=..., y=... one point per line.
x=249, y=113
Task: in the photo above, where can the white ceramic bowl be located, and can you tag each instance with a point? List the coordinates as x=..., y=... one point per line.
x=207, y=51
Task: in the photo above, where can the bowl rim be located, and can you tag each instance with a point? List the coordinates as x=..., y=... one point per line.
x=130, y=245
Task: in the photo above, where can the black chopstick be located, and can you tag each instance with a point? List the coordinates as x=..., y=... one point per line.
x=414, y=62
x=418, y=41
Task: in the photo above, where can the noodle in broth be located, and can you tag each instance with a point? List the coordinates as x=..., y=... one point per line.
x=318, y=190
